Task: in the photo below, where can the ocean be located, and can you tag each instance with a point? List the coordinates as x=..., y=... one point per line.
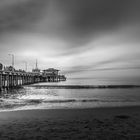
x=71, y=94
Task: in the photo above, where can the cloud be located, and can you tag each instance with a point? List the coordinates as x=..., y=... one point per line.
x=16, y=15
x=81, y=20
x=83, y=37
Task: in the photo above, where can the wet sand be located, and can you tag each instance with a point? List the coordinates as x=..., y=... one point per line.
x=76, y=124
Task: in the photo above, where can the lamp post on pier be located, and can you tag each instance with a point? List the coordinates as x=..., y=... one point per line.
x=25, y=65
x=12, y=59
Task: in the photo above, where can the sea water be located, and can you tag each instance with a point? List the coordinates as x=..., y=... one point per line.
x=39, y=96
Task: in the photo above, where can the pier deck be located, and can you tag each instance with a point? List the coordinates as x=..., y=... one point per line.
x=13, y=79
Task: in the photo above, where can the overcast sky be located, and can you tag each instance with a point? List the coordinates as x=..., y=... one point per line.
x=83, y=38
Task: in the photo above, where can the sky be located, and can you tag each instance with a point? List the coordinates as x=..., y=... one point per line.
x=82, y=38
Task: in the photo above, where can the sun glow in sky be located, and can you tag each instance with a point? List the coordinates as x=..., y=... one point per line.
x=83, y=38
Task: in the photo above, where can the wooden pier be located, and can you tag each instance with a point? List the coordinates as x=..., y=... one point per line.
x=11, y=78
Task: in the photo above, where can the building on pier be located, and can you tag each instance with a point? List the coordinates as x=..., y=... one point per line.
x=9, y=68
x=51, y=75
x=36, y=70
x=37, y=74
x=62, y=77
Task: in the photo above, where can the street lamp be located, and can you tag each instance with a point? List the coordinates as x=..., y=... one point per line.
x=25, y=66
x=12, y=59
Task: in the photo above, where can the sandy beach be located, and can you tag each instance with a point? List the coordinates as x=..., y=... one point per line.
x=84, y=124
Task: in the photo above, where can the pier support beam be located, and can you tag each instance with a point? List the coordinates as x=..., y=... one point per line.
x=0, y=82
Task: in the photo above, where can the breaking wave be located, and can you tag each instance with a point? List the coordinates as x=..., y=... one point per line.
x=83, y=86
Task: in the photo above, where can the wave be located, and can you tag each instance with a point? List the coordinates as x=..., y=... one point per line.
x=11, y=105
x=83, y=86
x=38, y=101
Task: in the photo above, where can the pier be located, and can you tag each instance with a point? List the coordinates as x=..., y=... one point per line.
x=11, y=78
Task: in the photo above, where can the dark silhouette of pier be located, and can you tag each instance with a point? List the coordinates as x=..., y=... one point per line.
x=12, y=78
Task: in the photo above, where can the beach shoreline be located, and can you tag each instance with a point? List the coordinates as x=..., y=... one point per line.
x=91, y=123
